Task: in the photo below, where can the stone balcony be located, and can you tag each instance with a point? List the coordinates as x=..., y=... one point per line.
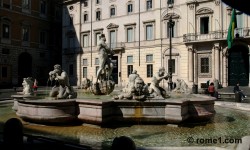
x=214, y=35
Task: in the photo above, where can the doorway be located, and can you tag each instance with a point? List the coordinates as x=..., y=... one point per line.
x=238, y=66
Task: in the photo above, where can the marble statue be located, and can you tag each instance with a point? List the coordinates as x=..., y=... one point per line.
x=27, y=86
x=131, y=79
x=62, y=89
x=136, y=89
x=181, y=86
x=104, y=83
x=105, y=64
x=154, y=87
x=85, y=83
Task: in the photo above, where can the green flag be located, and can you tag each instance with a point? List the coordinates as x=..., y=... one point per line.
x=230, y=32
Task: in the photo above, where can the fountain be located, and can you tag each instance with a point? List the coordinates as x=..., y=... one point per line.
x=138, y=102
x=148, y=104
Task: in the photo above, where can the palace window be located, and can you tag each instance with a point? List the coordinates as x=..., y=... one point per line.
x=130, y=69
x=129, y=59
x=85, y=3
x=25, y=34
x=6, y=4
x=6, y=31
x=96, y=61
x=172, y=29
x=130, y=8
x=85, y=62
x=204, y=25
x=112, y=39
x=172, y=64
x=85, y=17
x=150, y=70
x=26, y=5
x=98, y=15
x=112, y=11
x=149, y=58
x=130, y=35
x=170, y=2
x=97, y=38
x=84, y=72
x=85, y=40
x=43, y=6
x=204, y=65
x=149, y=4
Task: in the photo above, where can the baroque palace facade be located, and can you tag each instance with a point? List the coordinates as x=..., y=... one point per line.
x=139, y=33
x=30, y=40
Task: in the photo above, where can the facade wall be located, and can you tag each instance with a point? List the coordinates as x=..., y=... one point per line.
x=200, y=31
x=42, y=55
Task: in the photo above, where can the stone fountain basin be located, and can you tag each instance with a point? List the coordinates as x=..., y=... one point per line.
x=103, y=112
x=47, y=111
x=173, y=111
x=17, y=97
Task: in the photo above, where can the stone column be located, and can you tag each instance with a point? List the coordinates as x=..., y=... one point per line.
x=79, y=69
x=225, y=68
x=195, y=67
x=190, y=64
x=216, y=61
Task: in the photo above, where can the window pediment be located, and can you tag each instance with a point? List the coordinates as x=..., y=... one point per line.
x=130, y=24
x=6, y=19
x=112, y=25
x=174, y=16
x=204, y=11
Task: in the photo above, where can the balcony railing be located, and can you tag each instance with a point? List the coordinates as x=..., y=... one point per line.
x=194, y=37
